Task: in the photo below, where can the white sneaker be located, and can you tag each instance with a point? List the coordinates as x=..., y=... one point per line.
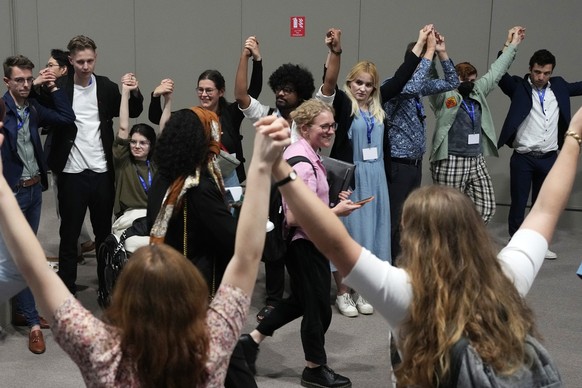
x=345, y=304
x=363, y=306
x=551, y=255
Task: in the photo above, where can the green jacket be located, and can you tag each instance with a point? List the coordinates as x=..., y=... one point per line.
x=446, y=105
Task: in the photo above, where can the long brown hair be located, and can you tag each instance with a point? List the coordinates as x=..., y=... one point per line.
x=159, y=304
x=459, y=289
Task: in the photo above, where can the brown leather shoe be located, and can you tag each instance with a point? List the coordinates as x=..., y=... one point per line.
x=36, y=342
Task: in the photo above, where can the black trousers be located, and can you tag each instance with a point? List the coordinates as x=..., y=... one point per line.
x=310, y=281
x=404, y=179
x=274, y=281
x=77, y=193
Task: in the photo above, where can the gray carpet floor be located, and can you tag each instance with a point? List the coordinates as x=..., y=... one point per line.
x=357, y=347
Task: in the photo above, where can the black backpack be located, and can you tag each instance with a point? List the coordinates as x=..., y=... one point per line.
x=277, y=240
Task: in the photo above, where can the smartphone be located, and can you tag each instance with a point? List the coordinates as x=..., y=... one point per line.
x=364, y=201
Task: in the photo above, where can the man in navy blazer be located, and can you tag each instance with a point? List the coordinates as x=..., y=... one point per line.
x=535, y=125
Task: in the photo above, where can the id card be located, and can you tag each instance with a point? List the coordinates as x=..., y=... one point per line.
x=370, y=153
x=473, y=138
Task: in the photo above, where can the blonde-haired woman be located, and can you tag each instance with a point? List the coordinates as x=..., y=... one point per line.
x=361, y=139
x=308, y=269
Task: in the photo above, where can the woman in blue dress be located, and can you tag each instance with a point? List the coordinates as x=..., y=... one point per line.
x=362, y=140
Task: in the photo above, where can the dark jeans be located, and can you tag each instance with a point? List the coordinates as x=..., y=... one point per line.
x=30, y=202
x=403, y=180
x=526, y=172
x=310, y=281
x=76, y=193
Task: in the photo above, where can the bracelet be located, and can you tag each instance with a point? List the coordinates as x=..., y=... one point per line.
x=331, y=50
x=575, y=136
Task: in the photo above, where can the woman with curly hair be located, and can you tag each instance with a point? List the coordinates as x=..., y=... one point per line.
x=160, y=329
x=450, y=282
x=187, y=207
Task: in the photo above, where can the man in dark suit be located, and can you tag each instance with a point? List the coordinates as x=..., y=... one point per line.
x=535, y=125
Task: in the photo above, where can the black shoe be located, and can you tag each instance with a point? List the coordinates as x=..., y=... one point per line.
x=250, y=350
x=323, y=376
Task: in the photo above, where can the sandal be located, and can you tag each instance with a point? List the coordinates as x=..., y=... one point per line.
x=264, y=312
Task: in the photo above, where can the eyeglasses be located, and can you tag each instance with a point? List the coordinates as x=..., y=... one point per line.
x=141, y=143
x=285, y=90
x=51, y=65
x=22, y=81
x=327, y=127
x=209, y=91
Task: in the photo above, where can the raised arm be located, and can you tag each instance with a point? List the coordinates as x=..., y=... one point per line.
x=128, y=83
x=333, y=61
x=135, y=103
x=241, y=94
x=167, y=112
x=155, y=108
x=557, y=186
x=256, y=84
x=393, y=86
x=242, y=270
x=48, y=289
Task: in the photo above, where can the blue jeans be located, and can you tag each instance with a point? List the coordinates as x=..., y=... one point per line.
x=11, y=281
x=30, y=201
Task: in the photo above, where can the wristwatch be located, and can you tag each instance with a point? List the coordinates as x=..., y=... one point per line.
x=291, y=177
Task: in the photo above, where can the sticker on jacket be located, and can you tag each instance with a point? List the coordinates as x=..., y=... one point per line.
x=451, y=102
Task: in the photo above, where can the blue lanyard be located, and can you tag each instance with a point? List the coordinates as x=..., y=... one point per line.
x=142, y=181
x=471, y=111
x=369, y=119
x=541, y=95
x=22, y=120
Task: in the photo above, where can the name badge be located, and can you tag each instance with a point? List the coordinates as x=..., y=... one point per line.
x=370, y=153
x=473, y=138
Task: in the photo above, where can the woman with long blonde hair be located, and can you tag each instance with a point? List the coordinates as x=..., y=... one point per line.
x=450, y=283
x=361, y=139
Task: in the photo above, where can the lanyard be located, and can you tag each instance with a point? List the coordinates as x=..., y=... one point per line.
x=22, y=120
x=541, y=95
x=369, y=119
x=471, y=111
x=142, y=181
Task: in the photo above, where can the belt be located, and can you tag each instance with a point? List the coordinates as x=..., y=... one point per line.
x=411, y=162
x=28, y=182
x=539, y=154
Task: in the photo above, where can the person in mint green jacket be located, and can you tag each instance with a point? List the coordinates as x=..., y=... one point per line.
x=464, y=131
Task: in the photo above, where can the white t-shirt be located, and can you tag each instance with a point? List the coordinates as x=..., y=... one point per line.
x=389, y=290
x=87, y=152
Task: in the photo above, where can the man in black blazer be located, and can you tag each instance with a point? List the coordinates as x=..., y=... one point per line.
x=535, y=125
x=81, y=156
